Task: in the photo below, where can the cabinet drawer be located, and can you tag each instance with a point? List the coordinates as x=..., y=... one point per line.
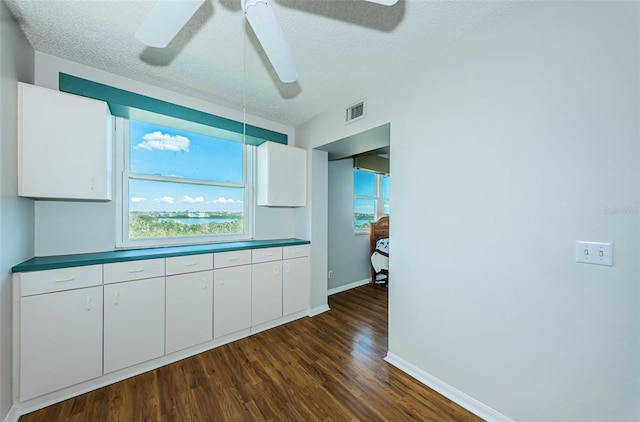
x=265, y=255
x=297, y=251
x=189, y=264
x=231, y=259
x=133, y=270
x=37, y=282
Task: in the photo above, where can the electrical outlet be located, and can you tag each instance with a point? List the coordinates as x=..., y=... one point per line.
x=330, y=274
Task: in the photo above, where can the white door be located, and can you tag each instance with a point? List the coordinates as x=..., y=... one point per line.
x=60, y=340
x=295, y=285
x=133, y=322
x=266, y=292
x=54, y=127
x=189, y=313
x=231, y=300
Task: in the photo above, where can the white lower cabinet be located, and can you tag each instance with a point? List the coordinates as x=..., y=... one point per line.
x=189, y=310
x=231, y=299
x=296, y=279
x=133, y=322
x=295, y=285
x=60, y=340
x=78, y=324
x=266, y=292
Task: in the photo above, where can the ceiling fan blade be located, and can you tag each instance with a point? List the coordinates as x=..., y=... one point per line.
x=383, y=2
x=165, y=20
x=269, y=33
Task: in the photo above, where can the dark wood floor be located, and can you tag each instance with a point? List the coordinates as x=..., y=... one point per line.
x=326, y=368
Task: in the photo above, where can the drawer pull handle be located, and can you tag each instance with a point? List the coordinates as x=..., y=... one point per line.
x=88, y=303
x=296, y=252
x=204, y=283
x=139, y=270
x=190, y=264
x=269, y=254
x=234, y=259
x=62, y=280
x=117, y=298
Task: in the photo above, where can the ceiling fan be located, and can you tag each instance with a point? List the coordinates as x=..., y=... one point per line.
x=167, y=17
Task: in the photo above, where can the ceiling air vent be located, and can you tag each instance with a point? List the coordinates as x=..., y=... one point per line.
x=355, y=112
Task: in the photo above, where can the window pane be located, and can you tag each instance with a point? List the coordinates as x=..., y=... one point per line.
x=163, y=209
x=385, y=186
x=363, y=214
x=385, y=205
x=364, y=183
x=159, y=150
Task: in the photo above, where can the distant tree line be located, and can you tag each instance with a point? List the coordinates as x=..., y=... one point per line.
x=144, y=226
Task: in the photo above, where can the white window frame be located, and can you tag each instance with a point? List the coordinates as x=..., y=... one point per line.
x=122, y=141
x=378, y=198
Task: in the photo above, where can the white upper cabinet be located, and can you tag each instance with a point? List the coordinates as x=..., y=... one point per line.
x=64, y=145
x=282, y=175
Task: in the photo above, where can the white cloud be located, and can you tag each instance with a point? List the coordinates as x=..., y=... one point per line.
x=164, y=142
x=138, y=199
x=223, y=200
x=191, y=200
x=165, y=199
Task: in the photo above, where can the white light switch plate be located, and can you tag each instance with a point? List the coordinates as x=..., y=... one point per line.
x=594, y=253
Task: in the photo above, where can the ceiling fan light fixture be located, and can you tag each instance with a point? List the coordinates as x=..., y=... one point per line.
x=384, y=2
x=165, y=20
x=269, y=33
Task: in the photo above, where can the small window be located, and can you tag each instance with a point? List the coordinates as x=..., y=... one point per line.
x=182, y=187
x=370, y=199
x=384, y=180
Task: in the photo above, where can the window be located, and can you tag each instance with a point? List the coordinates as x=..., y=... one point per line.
x=370, y=198
x=181, y=187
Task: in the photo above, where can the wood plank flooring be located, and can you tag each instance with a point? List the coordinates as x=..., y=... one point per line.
x=326, y=368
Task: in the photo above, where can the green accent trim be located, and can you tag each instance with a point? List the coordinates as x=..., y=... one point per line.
x=126, y=104
x=66, y=261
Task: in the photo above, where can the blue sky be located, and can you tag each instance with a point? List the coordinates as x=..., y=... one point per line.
x=158, y=150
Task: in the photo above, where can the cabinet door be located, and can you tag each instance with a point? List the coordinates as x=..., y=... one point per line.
x=60, y=340
x=133, y=322
x=281, y=175
x=266, y=292
x=231, y=300
x=64, y=145
x=295, y=285
x=189, y=319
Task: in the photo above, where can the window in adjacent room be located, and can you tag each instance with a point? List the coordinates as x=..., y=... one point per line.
x=182, y=187
x=370, y=198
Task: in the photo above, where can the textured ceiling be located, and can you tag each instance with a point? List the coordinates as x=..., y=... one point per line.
x=342, y=47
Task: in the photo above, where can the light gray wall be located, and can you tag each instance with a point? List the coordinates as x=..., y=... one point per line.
x=81, y=227
x=510, y=145
x=318, y=223
x=348, y=256
x=16, y=214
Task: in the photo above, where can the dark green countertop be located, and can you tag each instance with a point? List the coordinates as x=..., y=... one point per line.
x=40, y=263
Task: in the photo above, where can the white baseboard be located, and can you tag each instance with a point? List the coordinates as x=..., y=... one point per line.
x=317, y=311
x=12, y=416
x=472, y=405
x=348, y=286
